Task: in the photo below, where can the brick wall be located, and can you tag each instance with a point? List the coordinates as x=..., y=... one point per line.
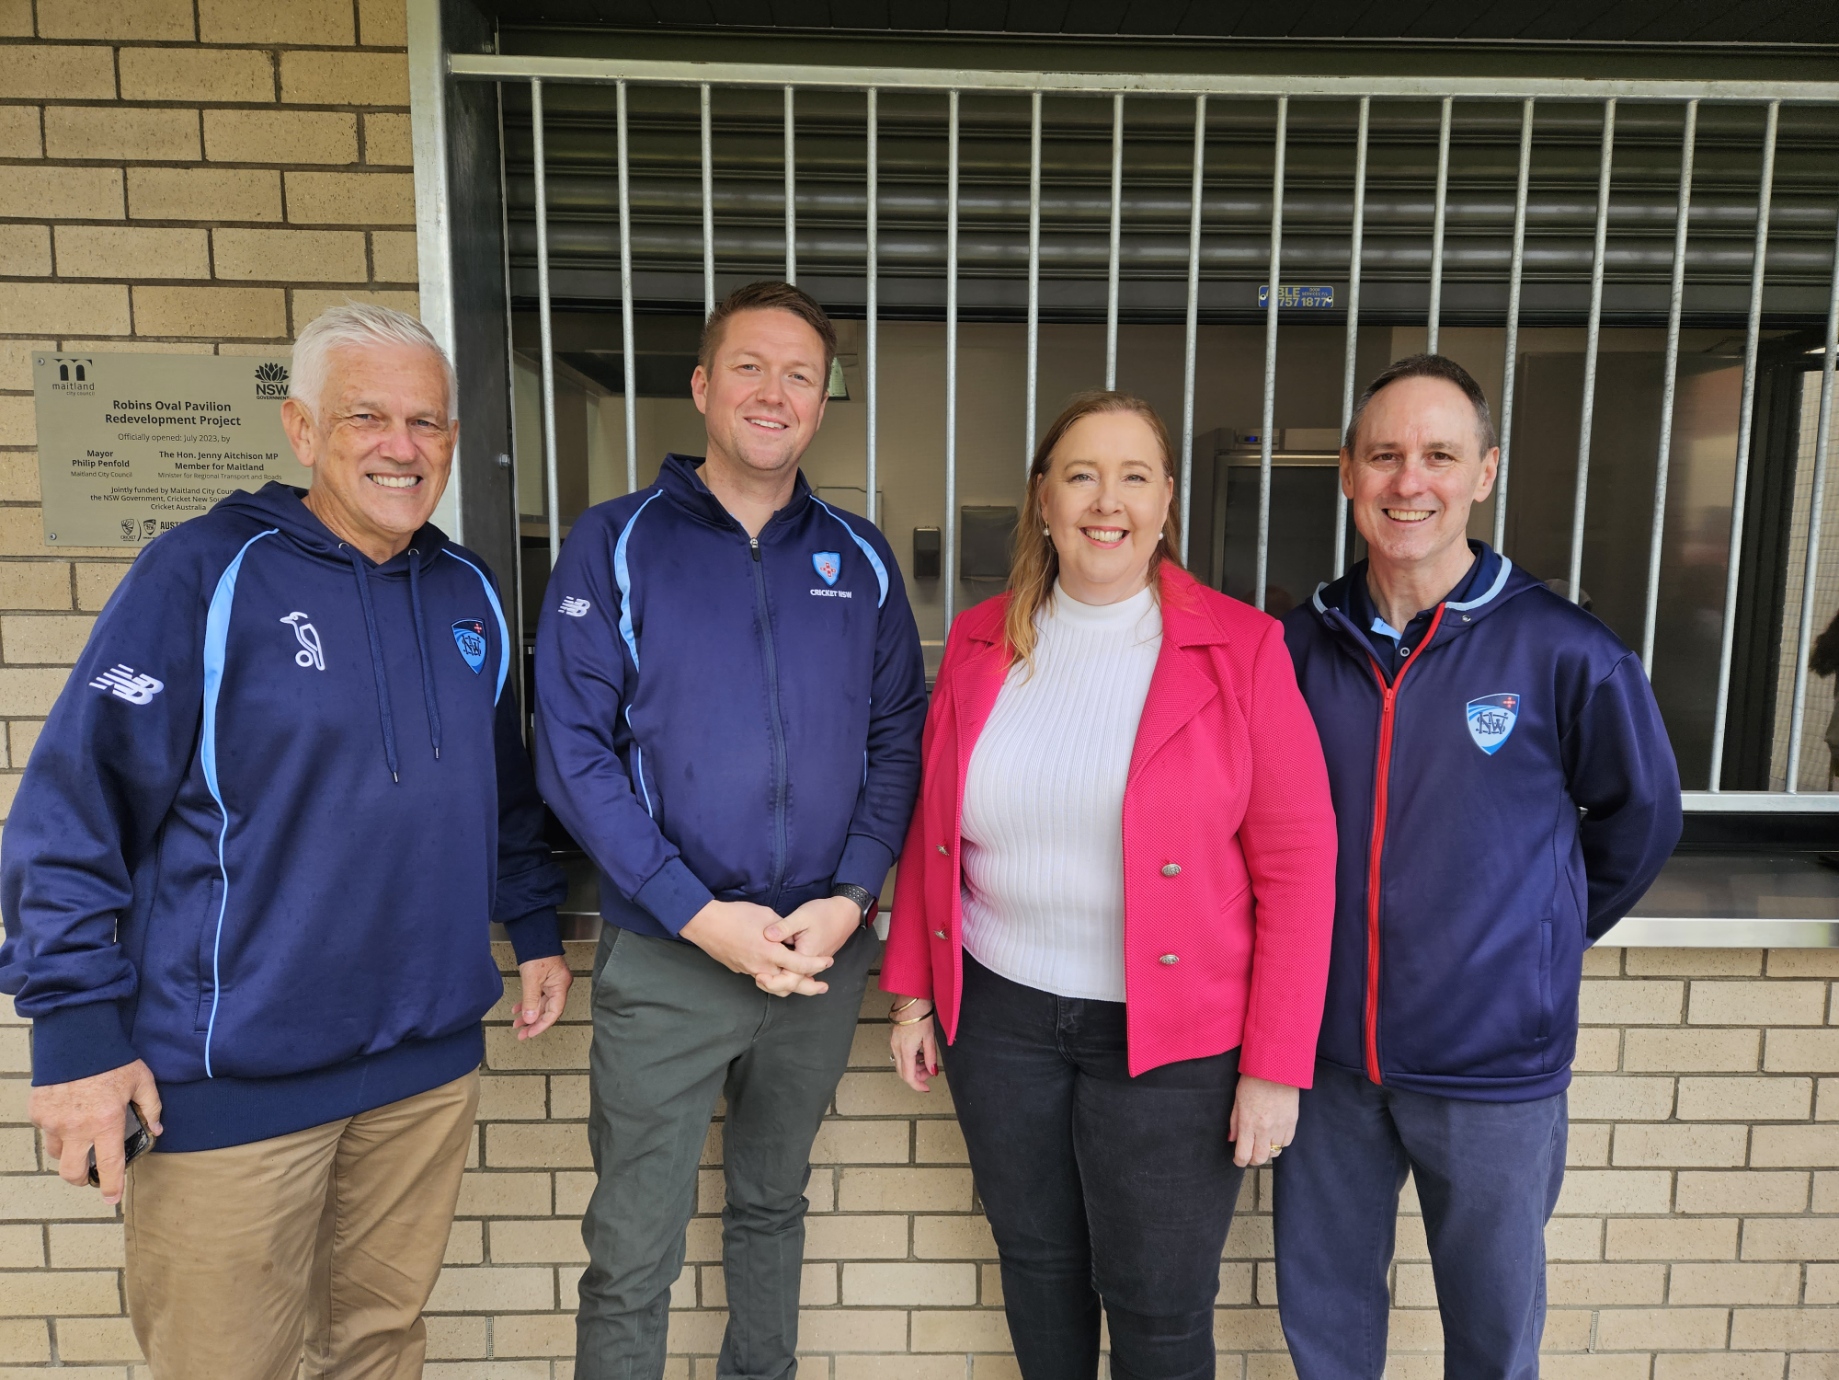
x=175, y=176
x=181, y=176
x=204, y=175
x=1697, y=1237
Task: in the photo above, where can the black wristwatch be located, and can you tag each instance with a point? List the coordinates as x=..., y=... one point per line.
x=864, y=899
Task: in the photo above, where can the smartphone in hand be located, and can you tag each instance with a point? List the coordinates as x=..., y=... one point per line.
x=136, y=1141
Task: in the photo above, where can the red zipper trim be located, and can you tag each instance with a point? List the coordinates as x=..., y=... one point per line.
x=1381, y=782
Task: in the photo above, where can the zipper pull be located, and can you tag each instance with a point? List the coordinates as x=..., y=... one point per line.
x=753, y=544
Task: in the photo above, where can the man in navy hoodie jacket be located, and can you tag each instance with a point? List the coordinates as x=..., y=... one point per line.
x=1504, y=792
x=249, y=878
x=729, y=702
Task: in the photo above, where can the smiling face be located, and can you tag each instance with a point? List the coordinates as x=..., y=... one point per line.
x=379, y=442
x=1416, y=470
x=1103, y=499
x=762, y=395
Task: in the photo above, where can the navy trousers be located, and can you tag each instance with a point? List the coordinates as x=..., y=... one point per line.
x=1487, y=1175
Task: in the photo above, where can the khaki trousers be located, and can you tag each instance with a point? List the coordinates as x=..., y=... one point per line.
x=328, y=1239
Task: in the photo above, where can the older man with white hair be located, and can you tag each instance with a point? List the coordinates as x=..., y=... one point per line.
x=249, y=879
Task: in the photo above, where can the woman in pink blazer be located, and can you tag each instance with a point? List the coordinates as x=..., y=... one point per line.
x=1114, y=903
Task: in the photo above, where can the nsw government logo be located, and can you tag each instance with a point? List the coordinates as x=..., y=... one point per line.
x=271, y=379
x=469, y=637
x=1491, y=721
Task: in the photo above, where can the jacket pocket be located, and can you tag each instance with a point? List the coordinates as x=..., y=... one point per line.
x=208, y=954
x=1545, y=979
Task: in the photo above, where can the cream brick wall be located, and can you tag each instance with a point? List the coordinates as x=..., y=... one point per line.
x=161, y=162
x=1697, y=1237
x=185, y=177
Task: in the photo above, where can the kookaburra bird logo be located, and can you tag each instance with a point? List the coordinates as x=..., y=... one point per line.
x=310, y=654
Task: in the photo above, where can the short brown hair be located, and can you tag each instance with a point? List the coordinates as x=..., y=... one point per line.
x=767, y=296
x=1034, y=564
x=1428, y=367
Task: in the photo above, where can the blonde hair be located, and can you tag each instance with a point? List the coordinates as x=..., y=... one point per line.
x=1035, y=564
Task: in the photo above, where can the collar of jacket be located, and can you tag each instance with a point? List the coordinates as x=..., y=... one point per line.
x=678, y=479
x=1178, y=688
x=281, y=505
x=1500, y=581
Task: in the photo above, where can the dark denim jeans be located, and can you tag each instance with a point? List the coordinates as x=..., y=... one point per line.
x=1098, y=1186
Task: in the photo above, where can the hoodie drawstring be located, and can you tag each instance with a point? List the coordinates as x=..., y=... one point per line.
x=376, y=663
x=376, y=659
x=421, y=645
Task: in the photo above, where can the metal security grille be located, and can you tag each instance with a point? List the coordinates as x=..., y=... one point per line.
x=1724, y=240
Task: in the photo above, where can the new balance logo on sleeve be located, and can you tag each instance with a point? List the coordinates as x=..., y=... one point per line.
x=573, y=607
x=125, y=683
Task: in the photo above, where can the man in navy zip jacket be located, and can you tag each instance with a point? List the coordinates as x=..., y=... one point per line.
x=1504, y=792
x=730, y=695
x=249, y=878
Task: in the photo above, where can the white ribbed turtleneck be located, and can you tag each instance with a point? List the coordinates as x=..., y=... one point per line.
x=1044, y=800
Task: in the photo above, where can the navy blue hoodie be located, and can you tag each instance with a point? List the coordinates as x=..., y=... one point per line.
x=726, y=717
x=1501, y=802
x=263, y=834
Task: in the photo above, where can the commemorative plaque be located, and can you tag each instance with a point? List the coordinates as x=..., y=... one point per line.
x=131, y=445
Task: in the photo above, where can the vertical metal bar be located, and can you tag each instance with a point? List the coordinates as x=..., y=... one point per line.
x=1815, y=512
x=1353, y=320
x=627, y=351
x=791, y=192
x=1746, y=418
x=874, y=294
x=1034, y=277
x=1436, y=229
x=1592, y=334
x=514, y=577
x=1187, y=362
x=1675, y=304
x=708, y=208
x=551, y=498
x=1270, y=357
x=950, y=580
x=1510, y=364
x=1117, y=211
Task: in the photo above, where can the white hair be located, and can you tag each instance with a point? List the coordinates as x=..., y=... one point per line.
x=359, y=324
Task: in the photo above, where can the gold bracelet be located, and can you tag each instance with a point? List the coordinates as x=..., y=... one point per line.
x=910, y=1001
x=915, y=1020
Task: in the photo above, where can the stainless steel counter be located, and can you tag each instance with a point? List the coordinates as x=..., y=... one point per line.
x=1737, y=901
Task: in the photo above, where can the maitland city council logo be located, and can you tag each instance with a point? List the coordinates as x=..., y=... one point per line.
x=73, y=374
x=271, y=379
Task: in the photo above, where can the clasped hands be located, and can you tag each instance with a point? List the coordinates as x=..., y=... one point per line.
x=783, y=954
